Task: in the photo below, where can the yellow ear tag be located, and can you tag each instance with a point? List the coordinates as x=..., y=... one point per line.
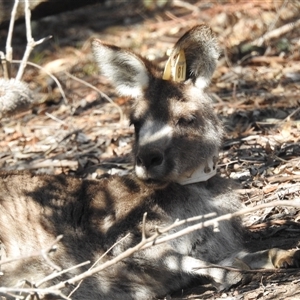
x=175, y=68
x=179, y=68
x=167, y=72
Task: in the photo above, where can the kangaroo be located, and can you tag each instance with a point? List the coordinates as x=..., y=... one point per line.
x=177, y=138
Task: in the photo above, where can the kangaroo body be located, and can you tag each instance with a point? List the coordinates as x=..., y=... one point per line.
x=177, y=137
x=93, y=215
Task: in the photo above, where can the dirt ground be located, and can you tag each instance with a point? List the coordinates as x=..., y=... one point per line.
x=79, y=130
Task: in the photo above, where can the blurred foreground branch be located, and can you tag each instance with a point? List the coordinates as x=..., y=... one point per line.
x=276, y=33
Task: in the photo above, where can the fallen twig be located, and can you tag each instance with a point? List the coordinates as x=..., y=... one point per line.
x=276, y=33
x=49, y=74
x=155, y=239
x=45, y=291
x=272, y=223
x=101, y=94
x=97, y=261
x=57, y=274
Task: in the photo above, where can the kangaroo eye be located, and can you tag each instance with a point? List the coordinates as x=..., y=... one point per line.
x=186, y=121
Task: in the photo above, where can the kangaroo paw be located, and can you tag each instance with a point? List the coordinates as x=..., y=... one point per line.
x=286, y=259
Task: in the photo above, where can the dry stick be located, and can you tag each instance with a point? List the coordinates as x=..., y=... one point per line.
x=5, y=66
x=45, y=291
x=291, y=115
x=30, y=41
x=245, y=271
x=276, y=178
x=49, y=74
x=68, y=135
x=188, y=6
x=273, y=222
x=272, y=25
x=295, y=203
x=61, y=122
x=274, y=196
x=145, y=243
x=96, y=262
x=101, y=93
x=276, y=33
x=35, y=288
x=9, y=49
x=55, y=275
x=129, y=251
x=155, y=240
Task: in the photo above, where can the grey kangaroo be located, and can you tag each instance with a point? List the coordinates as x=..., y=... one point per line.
x=177, y=137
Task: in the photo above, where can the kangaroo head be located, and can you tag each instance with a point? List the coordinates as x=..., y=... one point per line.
x=176, y=130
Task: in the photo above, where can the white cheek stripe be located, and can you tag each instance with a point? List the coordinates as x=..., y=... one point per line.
x=150, y=134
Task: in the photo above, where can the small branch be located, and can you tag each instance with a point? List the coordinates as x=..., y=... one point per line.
x=9, y=49
x=44, y=254
x=213, y=221
x=275, y=20
x=186, y=5
x=144, y=227
x=254, y=271
x=28, y=50
x=4, y=64
x=296, y=111
x=49, y=74
x=30, y=41
x=97, y=261
x=103, y=95
x=45, y=291
x=276, y=33
x=57, y=274
x=55, y=119
x=153, y=240
x=146, y=243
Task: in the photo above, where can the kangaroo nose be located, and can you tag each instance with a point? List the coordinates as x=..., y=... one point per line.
x=150, y=159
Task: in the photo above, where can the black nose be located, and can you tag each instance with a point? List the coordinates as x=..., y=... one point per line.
x=150, y=159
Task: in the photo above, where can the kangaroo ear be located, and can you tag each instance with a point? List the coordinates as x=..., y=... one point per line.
x=127, y=71
x=201, y=51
